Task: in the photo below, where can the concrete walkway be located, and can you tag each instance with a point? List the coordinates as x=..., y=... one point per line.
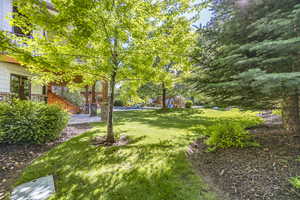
x=83, y=119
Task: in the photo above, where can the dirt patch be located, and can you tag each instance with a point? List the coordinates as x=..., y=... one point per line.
x=14, y=158
x=101, y=141
x=253, y=173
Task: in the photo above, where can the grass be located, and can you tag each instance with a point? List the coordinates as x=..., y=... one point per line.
x=153, y=166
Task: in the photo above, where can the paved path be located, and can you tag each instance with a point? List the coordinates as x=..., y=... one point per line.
x=83, y=119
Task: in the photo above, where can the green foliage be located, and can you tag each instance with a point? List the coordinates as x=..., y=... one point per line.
x=119, y=103
x=188, y=104
x=295, y=181
x=74, y=97
x=117, y=42
x=31, y=123
x=4, y=41
x=228, y=129
x=109, y=40
x=277, y=112
x=226, y=135
x=153, y=166
x=248, y=55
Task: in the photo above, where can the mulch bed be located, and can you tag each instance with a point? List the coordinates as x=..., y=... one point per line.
x=252, y=173
x=14, y=158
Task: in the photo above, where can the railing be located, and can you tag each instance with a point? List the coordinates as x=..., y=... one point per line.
x=38, y=98
x=7, y=97
x=4, y=96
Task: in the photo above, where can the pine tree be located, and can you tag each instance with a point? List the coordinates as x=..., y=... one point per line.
x=250, y=56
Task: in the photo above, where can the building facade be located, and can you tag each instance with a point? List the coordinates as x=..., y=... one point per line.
x=15, y=80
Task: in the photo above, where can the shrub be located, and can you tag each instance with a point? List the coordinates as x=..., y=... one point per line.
x=188, y=104
x=277, y=112
x=31, y=123
x=119, y=103
x=295, y=181
x=225, y=135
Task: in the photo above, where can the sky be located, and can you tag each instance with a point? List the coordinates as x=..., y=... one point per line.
x=205, y=16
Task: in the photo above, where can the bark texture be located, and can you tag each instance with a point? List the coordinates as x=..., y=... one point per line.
x=93, y=104
x=290, y=114
x=110, y=132
x=87, y=104
x=104, y=102
x=164, y=93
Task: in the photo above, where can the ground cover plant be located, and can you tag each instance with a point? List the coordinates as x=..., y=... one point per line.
x=295, y=181
x=225, y=135
x=153, y=166
x=268, y=172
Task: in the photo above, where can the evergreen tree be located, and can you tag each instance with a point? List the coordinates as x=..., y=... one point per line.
x=250, y=56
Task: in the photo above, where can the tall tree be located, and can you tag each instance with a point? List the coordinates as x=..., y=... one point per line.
x=110, y=39
x=249, y=56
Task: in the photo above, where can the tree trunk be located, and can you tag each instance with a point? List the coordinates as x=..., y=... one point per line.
x=104, y=102
x=93, y=104
x=290, y=114
x=164, y=93
x=87, y=104
x=110, y=132
x=62, y=92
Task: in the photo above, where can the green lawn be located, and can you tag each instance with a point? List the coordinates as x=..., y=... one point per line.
x=153, y=167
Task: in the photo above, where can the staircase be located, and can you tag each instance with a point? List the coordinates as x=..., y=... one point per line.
x=63, y=103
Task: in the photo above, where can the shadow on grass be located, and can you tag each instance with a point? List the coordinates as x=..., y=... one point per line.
x=148, y=169
x=137, y=171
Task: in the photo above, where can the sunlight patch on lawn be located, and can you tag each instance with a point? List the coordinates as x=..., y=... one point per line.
x=153, y=166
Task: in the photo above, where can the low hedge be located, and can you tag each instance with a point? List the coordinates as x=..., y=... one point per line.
x=26, y=122
x=188, y=104
x=119, y=103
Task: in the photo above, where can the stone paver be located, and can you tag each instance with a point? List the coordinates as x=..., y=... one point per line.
x=39, y=189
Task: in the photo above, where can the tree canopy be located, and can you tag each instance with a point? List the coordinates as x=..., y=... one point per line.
x=113, y=40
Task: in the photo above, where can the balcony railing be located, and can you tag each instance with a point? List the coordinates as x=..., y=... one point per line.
x=7, y=97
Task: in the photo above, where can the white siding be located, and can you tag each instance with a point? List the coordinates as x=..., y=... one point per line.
x=5, y=12
x=6, y=69
x=4, y=79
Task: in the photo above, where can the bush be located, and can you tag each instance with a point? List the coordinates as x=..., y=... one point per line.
x=295, y=181
x=277, y=112
x=31, y=123
x=225, y=135
x=188, y=104
x=119, y=103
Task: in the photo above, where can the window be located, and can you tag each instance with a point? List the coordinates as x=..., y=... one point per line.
x=20, y=87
